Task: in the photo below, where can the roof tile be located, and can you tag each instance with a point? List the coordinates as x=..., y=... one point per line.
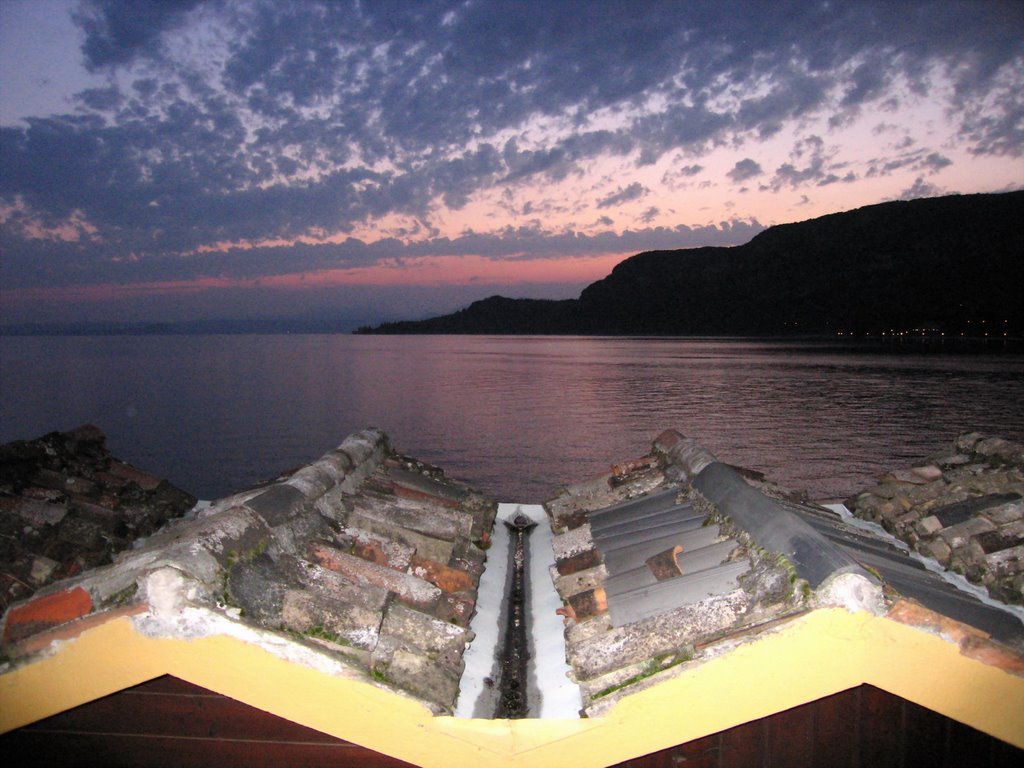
x=407, y=587
x=45, y=612
x=442, y=576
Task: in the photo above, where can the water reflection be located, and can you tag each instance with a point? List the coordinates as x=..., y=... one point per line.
x=517, y=416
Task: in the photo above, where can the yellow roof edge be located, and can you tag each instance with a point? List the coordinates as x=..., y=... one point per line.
x=821, y=653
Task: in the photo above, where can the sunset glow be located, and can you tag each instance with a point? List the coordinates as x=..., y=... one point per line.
x=190, y=151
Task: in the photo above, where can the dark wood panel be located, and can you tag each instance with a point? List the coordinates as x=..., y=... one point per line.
x=881, y=728
x=167, y=722
x=966, y=746
x=30, y=748
x=177, y=714
x=743, y=745
x=924, y=737
x=863, y=727
x=170, y=684
x=700, y=753
x=836, y=728
x=790, y=737
x=1005, y=755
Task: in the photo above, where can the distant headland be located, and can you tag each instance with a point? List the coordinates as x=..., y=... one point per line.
x=937, y=267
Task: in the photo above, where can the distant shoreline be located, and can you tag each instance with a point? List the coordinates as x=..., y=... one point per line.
x=887, y=341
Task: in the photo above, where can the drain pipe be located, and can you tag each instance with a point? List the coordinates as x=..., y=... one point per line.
x=515, y=656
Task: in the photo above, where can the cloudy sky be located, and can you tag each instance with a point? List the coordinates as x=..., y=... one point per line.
x=375, y=159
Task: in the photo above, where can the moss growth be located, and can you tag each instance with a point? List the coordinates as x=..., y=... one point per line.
x=322, y=633
x=874, y=572
x=259, y=549
x=223, y=595
x=234, y=557
x=125, y=595
x=658, y=664
x=787, y=565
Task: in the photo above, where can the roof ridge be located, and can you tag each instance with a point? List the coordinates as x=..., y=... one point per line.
x=769, y=524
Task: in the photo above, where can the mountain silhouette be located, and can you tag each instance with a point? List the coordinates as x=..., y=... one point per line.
x=952, y=265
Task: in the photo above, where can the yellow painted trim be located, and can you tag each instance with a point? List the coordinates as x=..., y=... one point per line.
x=819, y=654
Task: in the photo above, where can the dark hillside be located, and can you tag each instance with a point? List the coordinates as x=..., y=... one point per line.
x=494, y=315
x=951, y=264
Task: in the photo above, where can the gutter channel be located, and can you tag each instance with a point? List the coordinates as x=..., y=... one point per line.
x=515, y=681
x=515, y=666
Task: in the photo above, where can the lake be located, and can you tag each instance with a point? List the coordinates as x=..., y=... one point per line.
x=516, y=416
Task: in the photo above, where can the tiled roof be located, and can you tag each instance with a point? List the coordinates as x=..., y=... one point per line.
x=67, y=505
x=365, y=554
x=908, y=576
x=668, y=559
x=341, y=595
x=962, y=507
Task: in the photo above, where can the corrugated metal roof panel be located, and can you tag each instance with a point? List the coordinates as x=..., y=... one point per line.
x=689, y=563
x=624, y=558
x=642, y=522
x=674, y=527
x=650, y=600
x=632, y=509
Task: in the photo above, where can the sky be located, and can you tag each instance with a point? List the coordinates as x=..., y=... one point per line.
x=170, y=160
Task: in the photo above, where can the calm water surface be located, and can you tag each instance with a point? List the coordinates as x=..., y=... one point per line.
x=516, y=416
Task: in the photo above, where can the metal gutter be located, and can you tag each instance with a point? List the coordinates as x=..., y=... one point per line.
x=549, y=691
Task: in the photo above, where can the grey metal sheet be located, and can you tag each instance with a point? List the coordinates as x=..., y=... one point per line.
x=624, y=558
x=892, y=566
x=935, y=593
x=958, y=512
x=642, y=505
x=689, y=563
x=850, y=537
x=706, y=557
x=648, y=534
x=772, y=526
x=628, y=580
x=649, y=520
x=701, y=537
x=651, y=600
x=908, y=576
x=856, y=540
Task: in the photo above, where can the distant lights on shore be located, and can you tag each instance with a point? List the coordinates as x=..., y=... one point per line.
x=926, y=332
x=929, y=331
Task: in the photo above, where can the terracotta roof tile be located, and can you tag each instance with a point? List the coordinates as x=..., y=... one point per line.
x=66, y=505
x=384, y=582
x=44, y=612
